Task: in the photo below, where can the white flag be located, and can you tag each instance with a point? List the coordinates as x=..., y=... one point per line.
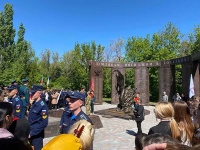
x=191, y=87
x=48, y=81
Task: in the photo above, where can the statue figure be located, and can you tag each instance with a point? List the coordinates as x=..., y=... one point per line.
x=125, y=94
x=127, y=98
x=119, y=87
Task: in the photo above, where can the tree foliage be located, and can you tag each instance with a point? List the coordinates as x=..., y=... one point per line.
x=71, y=71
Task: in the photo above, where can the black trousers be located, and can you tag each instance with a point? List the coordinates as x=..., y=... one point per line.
x=139, y=126
x=92, y=107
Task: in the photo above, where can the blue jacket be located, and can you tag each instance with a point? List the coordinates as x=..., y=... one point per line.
x=38, y=118
x=17, y=106
x=68, y=119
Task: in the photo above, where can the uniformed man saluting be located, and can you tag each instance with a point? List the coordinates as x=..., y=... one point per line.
x=74, y=112
x=38, y=118
x=16, y=101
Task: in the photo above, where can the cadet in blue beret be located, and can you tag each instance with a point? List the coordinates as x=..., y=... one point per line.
x=38, y=117
x=73, y=113
x=24, y=95
x=16, y=101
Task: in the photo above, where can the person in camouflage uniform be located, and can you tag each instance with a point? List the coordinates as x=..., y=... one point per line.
x=87, y=103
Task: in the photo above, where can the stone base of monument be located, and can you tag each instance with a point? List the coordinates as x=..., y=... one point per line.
x=96, y=121
x=53, y=127
x=56, y=113
x=115, y=113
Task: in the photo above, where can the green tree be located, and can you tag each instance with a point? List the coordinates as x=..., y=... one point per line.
x=196, y=46
x=7, y=45
x=23, y=55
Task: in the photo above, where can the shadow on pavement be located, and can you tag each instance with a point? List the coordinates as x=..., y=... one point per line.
x=131, y=132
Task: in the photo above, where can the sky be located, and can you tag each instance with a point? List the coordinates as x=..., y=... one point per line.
x=57, y=25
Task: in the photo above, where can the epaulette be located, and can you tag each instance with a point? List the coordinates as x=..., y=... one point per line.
x=83, y=117
x=42, y=103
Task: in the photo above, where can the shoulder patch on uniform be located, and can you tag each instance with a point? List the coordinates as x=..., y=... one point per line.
x=44, y=114
x=83, y=117
x=42, y=103
x=17, y=108
x=16, y=98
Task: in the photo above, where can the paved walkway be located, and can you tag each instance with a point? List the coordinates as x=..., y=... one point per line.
x=117, y=134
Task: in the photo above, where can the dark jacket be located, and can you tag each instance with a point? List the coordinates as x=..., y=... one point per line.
x=139, y=115
x=38, y=118
x=17, y=105
x=163, y=127
x=20, y=129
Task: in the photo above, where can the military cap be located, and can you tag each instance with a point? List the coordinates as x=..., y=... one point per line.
x=25, y=80
x=12, y=87
x=36, y=88
x=13, y=81
x=67, y=94
x=77, y=95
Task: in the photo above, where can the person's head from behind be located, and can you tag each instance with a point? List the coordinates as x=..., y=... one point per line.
x=167, y=146
x=6, y=114
x=183, y=118
x=158, y=138
x=139, y=141
x=196, y=137
x=13, y=144
x=182, y=111
x=165, y=111
x=67, y=96
x=85, y=131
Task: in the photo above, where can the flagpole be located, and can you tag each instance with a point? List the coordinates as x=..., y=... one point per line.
x=191, y=90
x=48, y=83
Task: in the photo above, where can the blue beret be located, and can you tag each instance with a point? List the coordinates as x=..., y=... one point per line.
x=12, y=87
x=77, y=95
x=36, y=88
x=25, y=80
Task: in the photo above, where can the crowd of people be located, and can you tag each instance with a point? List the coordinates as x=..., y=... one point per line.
x=178, y=127
x=24, y=117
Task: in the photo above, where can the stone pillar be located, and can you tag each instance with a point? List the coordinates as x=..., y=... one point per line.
x=186, y=73
x=142, y=83
x=167, y=81
x=96, y=82
x=196, y=78
x=115, y=95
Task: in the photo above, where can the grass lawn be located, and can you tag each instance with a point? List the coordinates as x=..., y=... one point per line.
x=107, y=100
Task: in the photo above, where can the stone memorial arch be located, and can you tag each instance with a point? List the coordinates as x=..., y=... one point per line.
x=166, y=68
